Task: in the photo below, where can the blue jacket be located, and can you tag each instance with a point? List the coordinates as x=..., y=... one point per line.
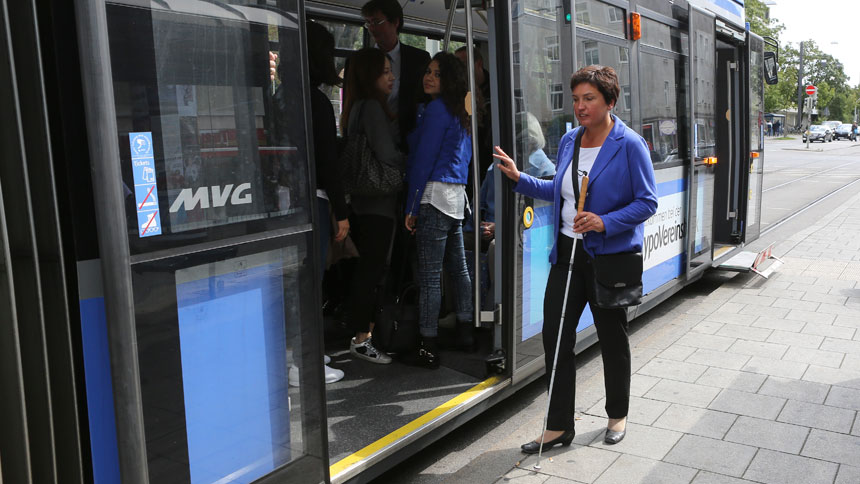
x=621, y=190
x=440, y=149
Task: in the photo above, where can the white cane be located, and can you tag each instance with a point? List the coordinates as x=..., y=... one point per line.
x=579, y=209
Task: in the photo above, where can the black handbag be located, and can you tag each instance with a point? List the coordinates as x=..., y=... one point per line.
x=361, y=172
x=396, y=329
x=617, y=280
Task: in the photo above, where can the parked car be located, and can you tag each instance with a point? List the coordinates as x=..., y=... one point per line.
x=844, y=132
x=831, y=124
x=817, y=132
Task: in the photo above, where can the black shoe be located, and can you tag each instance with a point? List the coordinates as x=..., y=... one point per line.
x=612, y=437
x=426, y=356
x=564, y=439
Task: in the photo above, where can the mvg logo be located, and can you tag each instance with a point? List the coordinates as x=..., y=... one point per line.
x=189, y=199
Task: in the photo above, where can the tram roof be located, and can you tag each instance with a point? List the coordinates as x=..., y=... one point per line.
x=731, y=10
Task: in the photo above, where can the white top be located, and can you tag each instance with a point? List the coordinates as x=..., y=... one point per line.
x=448, y=198
x=394, y=57
x=568, y=208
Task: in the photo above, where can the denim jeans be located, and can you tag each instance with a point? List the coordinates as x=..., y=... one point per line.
x=440, y=243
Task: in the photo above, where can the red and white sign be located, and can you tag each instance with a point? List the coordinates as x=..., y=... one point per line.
x=763, y=256
x=811, y=90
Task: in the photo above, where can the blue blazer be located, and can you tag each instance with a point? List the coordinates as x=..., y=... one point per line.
x=621, y=190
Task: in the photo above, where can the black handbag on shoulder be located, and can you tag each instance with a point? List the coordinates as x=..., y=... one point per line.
x=617, y=280
x=361, y=172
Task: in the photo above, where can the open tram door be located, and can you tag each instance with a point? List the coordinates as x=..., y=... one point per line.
x=196, y=283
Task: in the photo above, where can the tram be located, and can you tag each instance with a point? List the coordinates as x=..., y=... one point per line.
x=158, y=251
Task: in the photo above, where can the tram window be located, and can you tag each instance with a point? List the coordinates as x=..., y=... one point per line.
x=590, y=52
x=599, y=16
x=226, y=144
x=663, y=36
x=663, y=115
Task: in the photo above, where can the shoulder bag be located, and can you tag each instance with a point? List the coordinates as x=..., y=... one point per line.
x=361, y=172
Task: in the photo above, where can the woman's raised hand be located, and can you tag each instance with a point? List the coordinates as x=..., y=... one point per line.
x=507, y=165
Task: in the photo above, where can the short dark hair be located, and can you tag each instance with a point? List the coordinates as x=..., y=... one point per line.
x=390, y=8
x=602, y=77
x=476, y=53
x=321, y=67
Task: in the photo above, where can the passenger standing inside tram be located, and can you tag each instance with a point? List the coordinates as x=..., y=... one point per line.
x=436, y=203
x=384, y=20
x=621, y=196
x=330, y=196
x=369, y=82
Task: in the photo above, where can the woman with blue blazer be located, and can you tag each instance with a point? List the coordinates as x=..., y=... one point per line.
x=437, y=169
x=620, y=196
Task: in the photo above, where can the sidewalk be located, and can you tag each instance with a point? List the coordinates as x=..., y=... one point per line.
x=758, y=381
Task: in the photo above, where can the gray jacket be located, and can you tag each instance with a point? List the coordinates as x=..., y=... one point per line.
x=367, y=116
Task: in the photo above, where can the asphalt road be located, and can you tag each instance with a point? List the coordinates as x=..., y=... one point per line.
x=825, y=174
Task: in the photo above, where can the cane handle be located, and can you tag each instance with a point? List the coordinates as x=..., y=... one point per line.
x=582, y=191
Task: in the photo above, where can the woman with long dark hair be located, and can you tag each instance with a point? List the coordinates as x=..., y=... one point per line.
x=369, y=81
x=440, y=149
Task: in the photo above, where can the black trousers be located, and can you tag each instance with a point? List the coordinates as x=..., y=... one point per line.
x=372, y=236
x=611, y=325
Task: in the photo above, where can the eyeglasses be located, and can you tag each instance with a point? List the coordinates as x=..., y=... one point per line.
x=369, y=22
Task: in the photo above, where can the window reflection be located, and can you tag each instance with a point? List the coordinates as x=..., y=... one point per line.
x=600, y=16
x=663, y=119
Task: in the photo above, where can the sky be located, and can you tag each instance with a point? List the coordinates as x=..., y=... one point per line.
x=824, y=21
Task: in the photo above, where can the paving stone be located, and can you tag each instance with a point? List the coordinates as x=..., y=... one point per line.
x=639, y=384
x=673, y=370
x=847, y=321
x=810, y=316
x=524, y=476
x=841, y=345
x=832, y=447
x=768, y=434
x=707, y=327
x=684, y=393
x=824, y=298
x=584, y=464
x=770, y=366
x=856, y=429
x=785, y=294
x=795, y=339
x=707, y=341
x=765, y=311
x=642, y=441
x=792, y=389
x=744, y=332
x=732, y=379
x=711, y=455
x=814, y=357
x=818, y=416
x=758, y=348
x=833, y=376
x=642, y=410
x=829, y=330
x=837, y=309
x=753, y=300
x=728, y=308
x=780, y=324
x=851, y=362
x=749, y=404
x=696, y=421
x=677, y=352
x=779, y=468
x=816, y=288
x=630, y=469
x=795, y=304
x=704, y=477
x=559, y=480
x=729, y=318
x=843, y=398
x=718, y=358
x=588, y=428
x=848, y=475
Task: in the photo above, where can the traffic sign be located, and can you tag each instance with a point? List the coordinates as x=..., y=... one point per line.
x=811, y=90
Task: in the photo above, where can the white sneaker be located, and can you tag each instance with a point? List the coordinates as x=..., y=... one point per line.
x=326, y=359
x=293, y=376
x=332, y=374
x=366, y=351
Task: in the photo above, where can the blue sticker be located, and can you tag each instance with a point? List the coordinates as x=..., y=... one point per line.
x=145, y=184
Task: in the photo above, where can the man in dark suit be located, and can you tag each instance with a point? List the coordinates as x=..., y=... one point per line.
x=384, y=21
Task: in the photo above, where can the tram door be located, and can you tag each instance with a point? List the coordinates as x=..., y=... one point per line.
x=703, y=126
x=212, y=152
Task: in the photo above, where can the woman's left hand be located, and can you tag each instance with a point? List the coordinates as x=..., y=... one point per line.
x=587, y=222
